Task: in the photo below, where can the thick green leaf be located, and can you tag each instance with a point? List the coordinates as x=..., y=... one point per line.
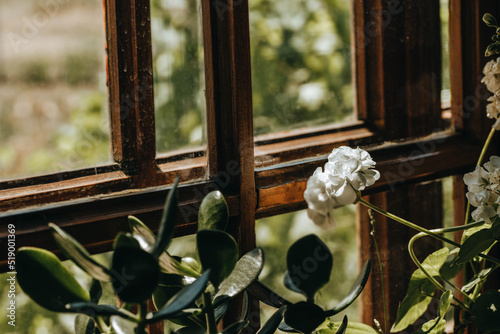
x=309, y=265
x=343, y=326
x=245, y=272
x=218, y=251
x=266, y=295
x=93, y=310
x=304, y=317
x=123, y=326
x=352, y=328
x=475, y=244
x=46, y=280
x=95, y=291
x=485, y=310
x=135, y=274
x=355, y=291
x=167, y=223
x=490, y=20
x=125, y=240
x=182, y=300
x=147, y=240
x=419, y=291
x=236, y=327
x=213, y=213
x=74, y=251
x=84, y=325
x=274, y=321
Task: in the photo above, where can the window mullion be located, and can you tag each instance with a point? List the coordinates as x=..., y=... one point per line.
x=131, y=88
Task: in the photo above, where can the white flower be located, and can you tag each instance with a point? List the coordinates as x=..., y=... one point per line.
x=346, y=172
x=484, y=190
x=493, y=108
x=491, y=75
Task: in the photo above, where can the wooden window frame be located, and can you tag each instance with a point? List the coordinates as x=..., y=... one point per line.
x=267, y=175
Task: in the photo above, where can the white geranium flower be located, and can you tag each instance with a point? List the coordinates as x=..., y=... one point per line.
x=493, y=108
x=346, y=172
x=484, y=190
x=491, y=75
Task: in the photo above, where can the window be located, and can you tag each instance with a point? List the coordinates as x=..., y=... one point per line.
x=396, y=52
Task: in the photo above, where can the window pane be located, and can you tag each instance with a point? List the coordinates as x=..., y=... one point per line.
x=276, y=234
x=179, y=81
x=52, y=87
x=301, y=63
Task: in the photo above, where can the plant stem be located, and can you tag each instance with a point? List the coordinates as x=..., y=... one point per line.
x=381, y=268
x=141, y=326
x=407, y=223
x=209, y=313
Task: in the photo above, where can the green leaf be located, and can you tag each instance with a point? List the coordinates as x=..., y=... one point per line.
x=236, y=327
x=135, y=274
x=167, y=223
x=218, y=251
x=74, y=251
x=352, y=328
x=182, y=300
x=245, y=272
x=475, y=244
x=304, y=317
x=213, y=213
x=309, y=264
x=490, y=20
x=485, y=310
x=420, y=288
x=434, y=326
x=445, y=302
x=355, y=291
x=93, y=310
x=46, y=280
x=274, y=321
x=125, y=240
x=191, y=330
x=147, y=240
x=266, y=295
x=84, y=325
x=343, y=327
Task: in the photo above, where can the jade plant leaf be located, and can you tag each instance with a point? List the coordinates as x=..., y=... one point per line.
x=147, y=240
x=125, y=240
x=266, y=295
x=84, y=325
x=74, y=251
x=93, y=310
x=304, y=317
x=309, y=265
x=245, y=272
x=182, y=300
x=167, y=223
x=355, y=291
x=218, y=252
x=420, y=291
x=274, y=321
x=485, y=311
x=135, y=273
x=46, y=280
x=343, y=326
x=213, y=213
x=352, y=328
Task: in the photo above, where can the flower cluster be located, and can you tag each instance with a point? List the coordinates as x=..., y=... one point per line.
x=492, y=81
x=346, y=172
x=484, y=190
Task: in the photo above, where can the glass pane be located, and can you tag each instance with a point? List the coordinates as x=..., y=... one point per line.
x=301, y=63
x=445, y=43
x=52, y=87
x=179, y=81
x=276, y=234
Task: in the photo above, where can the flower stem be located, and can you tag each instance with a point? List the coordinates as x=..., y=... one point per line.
x=207, y=306
x=407, y=223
